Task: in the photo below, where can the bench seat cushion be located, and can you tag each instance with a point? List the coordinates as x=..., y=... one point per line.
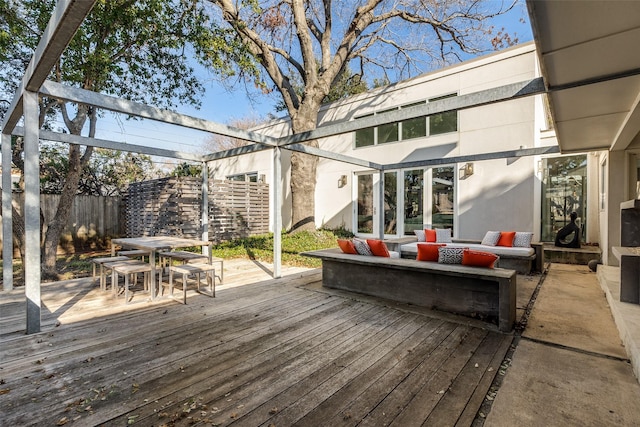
x=498, y=250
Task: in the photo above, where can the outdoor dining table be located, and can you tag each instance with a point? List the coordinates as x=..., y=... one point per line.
x=155, y=244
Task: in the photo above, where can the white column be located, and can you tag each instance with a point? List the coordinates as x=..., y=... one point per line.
x=205, y=208
x=381, y=205
x=32, y=211
x=277, y=212
x=7, y=216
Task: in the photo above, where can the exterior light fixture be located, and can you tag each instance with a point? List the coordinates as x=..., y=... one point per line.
x=342, y=181
x=466, y=170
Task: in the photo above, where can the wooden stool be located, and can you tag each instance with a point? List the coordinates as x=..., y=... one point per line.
x=99, y=262
x=187, y=257
x=193, y=270
x=127, y=268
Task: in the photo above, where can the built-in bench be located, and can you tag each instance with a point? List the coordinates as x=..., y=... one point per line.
x=488, y=294
x=523, y=260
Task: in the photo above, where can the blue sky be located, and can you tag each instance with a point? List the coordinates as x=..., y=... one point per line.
x=222, y=105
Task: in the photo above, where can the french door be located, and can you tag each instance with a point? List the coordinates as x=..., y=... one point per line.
x=413, y=199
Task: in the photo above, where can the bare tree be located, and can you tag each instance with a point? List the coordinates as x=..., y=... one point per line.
x=289, y=38
x=221, y=142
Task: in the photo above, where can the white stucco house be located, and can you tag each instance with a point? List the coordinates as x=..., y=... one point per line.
x=490, y=167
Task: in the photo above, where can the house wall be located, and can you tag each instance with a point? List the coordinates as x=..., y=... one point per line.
x=501, y=194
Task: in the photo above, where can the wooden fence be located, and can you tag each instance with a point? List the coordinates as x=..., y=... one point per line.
x=173, y=206
x=92, y=219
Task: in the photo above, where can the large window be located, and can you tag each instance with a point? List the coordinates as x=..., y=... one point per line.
x=407, y=129
x=564, y=190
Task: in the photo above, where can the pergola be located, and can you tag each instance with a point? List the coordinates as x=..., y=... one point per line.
x=66, y=19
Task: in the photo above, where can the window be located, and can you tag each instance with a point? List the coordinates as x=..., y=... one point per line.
x=407, y=129
x=443, y=122
x=414, y=128
x=365, y=137
x=388, y=132
x=248, y=177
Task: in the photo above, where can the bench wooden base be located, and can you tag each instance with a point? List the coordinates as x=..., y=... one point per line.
x=488, y=294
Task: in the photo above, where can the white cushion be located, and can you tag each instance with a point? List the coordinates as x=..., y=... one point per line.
x=443, y=235
x=394, y=254
x=522, y=239
x=498, y=250
x=491, y=238
x=420, y=235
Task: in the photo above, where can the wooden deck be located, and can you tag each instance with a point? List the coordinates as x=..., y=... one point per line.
x=263, y=352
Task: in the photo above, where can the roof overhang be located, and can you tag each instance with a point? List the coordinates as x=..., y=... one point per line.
x=587, y=52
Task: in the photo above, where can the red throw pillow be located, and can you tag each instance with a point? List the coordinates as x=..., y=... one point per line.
x=347, y=246
x=506, y=238
x=378, y=248
x=429, y=235
x=428, y=251
x=478, y=259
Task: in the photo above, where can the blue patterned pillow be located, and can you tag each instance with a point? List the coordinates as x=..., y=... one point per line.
x=443, y=235
x=362, y=247
x=491, y=238
x=522, y=239
x=448, y=255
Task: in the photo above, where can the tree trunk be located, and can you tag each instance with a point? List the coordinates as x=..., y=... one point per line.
x=303, y=175
x=61, y=218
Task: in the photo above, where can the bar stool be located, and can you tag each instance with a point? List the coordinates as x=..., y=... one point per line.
x=128, y=268
x=99, y=262
x=196, y=270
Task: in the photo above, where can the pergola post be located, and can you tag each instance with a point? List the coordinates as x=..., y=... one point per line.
x=7, y=216
x=381, y=205
x=31, y=263
x=205, y=207
x=277, y=212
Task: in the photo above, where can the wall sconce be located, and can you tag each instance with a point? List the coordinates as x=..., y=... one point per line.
x=466, y=170
x=342, y=181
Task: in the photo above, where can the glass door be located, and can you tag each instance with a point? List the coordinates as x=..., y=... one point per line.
x=365, y=218
x=413, y=200
x=367, y=200
x=442, y=197
x=564, y=190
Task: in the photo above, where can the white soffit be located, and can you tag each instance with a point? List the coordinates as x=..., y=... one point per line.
x=590, y=41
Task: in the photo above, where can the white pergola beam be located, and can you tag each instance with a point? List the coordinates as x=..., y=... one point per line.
x=111, y=103
x=63, y=24
x=7, y=215
x=111, y=145
x=318, y=152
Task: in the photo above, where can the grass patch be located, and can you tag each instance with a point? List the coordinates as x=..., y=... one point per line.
x=260, y=247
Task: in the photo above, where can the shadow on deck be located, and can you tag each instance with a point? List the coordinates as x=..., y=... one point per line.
x=279, y=352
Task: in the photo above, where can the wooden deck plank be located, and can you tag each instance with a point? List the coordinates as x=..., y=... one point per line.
x=119, y=359
x=301, y=377
x=351, y=404
x=272, y=351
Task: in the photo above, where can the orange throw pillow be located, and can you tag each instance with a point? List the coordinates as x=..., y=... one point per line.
x=478, y=258
x=506, y=238
x=347, y=246
x=428, y=251
x=429, y=235
x=378, y=248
